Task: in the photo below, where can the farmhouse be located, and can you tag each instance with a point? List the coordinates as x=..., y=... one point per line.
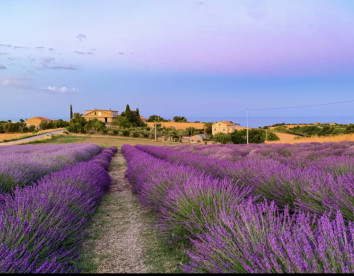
x=223, y=126
x=102, y=115
x=36, y=121
x=143, y=119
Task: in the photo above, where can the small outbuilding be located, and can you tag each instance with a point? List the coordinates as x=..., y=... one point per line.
x=198, y=138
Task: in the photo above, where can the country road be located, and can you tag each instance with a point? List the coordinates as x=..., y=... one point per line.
x=32, y=138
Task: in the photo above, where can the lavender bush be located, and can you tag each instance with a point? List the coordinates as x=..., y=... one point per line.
x=258, y=238
x=320, y=185
x=22, y=165
x=272, y=211
x=42, y=226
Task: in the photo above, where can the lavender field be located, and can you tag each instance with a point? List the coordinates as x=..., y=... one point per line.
x=251, y=208
x=48, y=194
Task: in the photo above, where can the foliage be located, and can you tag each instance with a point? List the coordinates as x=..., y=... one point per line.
x=349, y=129
x=156, y=118
x=208, y=128
x=223, y=138
x=311, y=130
x=255, y=136
x=128, y=119
x=179, y=119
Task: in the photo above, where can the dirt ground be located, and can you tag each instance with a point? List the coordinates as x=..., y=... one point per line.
x=116, y=244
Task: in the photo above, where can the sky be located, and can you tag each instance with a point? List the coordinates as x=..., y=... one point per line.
x=207, y=60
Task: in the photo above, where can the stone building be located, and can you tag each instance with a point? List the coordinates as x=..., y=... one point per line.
x=105, y=116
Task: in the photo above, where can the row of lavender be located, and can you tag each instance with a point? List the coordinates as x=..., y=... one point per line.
x=42, y=225
x=22, y=165
x=324, y=184
x=229, y=226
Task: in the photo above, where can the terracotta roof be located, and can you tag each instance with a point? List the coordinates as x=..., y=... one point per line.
x=40, y=118
x=226, y=123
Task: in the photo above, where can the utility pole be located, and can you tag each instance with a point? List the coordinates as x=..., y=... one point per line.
x=247, y=125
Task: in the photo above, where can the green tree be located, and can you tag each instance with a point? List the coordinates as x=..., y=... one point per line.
x=208, y=128
x=122, y=122
x=223, y=138
x=349, y=129
x=179, y=119
x=71, y=111
x=156, y=118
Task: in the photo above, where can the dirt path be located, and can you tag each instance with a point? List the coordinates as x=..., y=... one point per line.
x=115, y=244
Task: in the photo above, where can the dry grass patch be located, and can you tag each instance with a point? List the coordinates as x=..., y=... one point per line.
x=320, y=139
x=10, y=136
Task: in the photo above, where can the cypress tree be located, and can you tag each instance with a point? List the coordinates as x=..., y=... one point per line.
x=71, y=111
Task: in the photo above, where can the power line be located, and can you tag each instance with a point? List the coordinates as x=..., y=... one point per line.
x=300, y=106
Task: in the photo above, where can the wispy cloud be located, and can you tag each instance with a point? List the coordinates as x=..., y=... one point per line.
x=60, y=67
x=39, y=47
x=6, y=45
x=2, y=66
x=81, y=37
x=83, y=53
x=60, y=90
x=20, y=47
x=3, y=53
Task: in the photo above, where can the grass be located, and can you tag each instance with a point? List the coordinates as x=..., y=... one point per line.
x=160, y=257
x=101, y=140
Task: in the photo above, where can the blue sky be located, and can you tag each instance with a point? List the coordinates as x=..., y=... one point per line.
x=205, y=60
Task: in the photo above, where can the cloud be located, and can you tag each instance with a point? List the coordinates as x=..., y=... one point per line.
x=81, y=37
x=60, y=67
x=59, y=90
x=6, y=45
x=50, y=49
x=3, y=53
x=121, y=53
x=20, y=47
x=39, y=47
x=199, y=3
x=2, y=66
x=20, y=83
x=83, y=53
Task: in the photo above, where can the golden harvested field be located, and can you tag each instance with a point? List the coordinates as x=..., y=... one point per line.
x=9, y=136
x=292, y=139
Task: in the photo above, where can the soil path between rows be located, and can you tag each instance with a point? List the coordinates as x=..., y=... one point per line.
x=115, y=244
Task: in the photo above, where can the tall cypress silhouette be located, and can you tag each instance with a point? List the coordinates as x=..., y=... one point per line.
x=71, y=111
